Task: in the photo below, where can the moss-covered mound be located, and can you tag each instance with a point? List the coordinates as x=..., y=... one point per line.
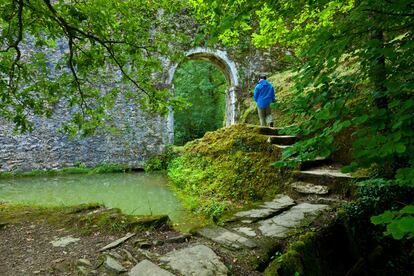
x=225, y=169
x=85, y=218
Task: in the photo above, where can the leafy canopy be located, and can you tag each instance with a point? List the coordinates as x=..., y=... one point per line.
x=354, y=60
x=83, y=54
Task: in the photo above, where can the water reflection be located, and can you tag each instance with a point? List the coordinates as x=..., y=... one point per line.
x=133, y=193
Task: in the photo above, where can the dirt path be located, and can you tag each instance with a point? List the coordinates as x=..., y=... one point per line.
x=26, y=249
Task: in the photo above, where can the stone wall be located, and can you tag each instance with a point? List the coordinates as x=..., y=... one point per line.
x=140, y=136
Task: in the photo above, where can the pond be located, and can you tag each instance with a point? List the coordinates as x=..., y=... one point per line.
x=133, y=193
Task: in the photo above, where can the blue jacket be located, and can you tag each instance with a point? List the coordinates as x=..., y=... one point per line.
x=264, y=94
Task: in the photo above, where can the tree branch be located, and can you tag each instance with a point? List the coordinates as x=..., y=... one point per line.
x=75, y=76
x=71, y=33
x=15, y=45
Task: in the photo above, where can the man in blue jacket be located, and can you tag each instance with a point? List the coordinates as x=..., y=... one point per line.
x=264, y=95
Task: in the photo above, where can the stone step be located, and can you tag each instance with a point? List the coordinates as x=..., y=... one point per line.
x=333, y=173
x=282, y=139
x=267, y=209
x=226, y=238
x=282, y=147
x=333, y=178
x=268, y=130
x=309, y=188
x=317, y=162
x=282, y=225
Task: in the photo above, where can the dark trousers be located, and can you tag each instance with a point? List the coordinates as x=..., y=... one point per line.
x=265, y=116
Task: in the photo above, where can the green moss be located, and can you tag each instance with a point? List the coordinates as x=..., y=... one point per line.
x=300, y=258
x=84, y=218
x=226, y=169
x=160, y=162
x=80, y=169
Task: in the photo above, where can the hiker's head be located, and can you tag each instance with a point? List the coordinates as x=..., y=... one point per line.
x=262, y=77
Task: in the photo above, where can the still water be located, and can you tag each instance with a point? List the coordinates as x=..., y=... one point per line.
x=133, y=193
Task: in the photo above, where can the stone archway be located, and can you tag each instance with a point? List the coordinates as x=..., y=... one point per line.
x=228, y=67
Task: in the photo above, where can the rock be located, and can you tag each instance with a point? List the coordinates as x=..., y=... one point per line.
x=326, y=200
x=179, y=239
x=84, y=262
x=256, y=213
x=246, y=231
x=287, y=219
x=273, y=230
x=279, y=203
x=226, y=238
x=268, y=209
x=279, y=226
x=309, y=188
x=326, y=172
x=114, y=265
x=117, y=242
x=63, y=241
x=195, y=260
x=310, y=208
x=148, y=268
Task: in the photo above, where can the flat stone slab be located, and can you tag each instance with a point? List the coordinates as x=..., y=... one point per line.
x=310, y=208
x=280, y=202
x=246, y=231
x=64, y=241
x=267, y=209
x=117, y=242
x=255, y=213
x=309, y=188
x=148, y=268
x=288, y=219
x=196, y=260
x=326, y=172
x=280, y=226
x=226, y=237
x=114, y=265
x=274, y=231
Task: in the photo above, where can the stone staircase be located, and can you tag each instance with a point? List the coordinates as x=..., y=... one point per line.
x=255, y=232
x=313, y=177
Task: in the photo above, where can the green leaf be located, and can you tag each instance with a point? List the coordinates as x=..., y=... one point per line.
x=386, y=217
x=409, y=209
x=360, y=120
x=400, y=148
